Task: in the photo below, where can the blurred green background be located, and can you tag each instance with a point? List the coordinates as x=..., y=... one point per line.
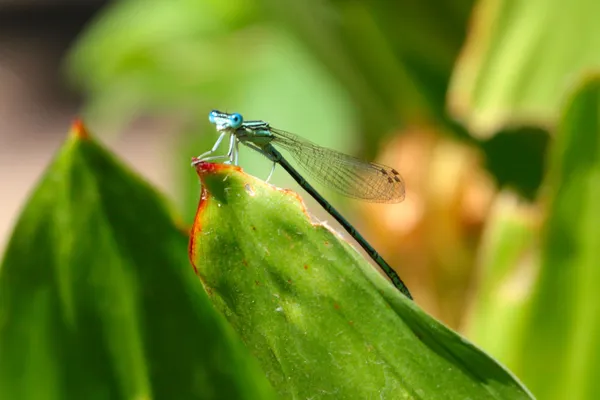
x=464, y=98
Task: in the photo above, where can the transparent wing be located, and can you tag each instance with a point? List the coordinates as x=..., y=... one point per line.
x=347, y=175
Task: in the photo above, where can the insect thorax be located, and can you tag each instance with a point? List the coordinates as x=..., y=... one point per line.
x=259, y=135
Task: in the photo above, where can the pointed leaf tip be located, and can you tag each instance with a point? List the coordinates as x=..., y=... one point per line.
x=204, y=168
x=96, y=275
x=78, y=130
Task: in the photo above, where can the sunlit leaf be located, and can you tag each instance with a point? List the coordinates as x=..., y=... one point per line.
x=319, y=318
x=520, y=60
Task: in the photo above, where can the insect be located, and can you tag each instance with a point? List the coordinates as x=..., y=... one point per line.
x=348, y=175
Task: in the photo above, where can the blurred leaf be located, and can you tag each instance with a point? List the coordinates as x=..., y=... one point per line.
x=509, y=266
x=98, y=300
x=394, y=58
x=559, y=347
x=157, y=55
x=549, y=338
x=520, y=59
x=319, y=318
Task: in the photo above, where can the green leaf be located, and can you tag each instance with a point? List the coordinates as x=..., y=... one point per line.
x=509, y=266
x=98, y=300
x=520, y=59
x=319, y=318
x=559, y=346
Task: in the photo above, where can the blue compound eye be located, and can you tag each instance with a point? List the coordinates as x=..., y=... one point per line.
x=212, y=115
x=235, y=120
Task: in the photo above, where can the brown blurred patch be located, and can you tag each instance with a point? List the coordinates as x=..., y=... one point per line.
x=432, y=236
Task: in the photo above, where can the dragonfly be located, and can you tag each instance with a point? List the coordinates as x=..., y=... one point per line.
x=348, y=175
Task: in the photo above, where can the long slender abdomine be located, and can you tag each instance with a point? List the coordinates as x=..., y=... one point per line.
x=389, y=271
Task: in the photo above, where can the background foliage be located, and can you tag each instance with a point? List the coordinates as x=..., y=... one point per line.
x=479, y=105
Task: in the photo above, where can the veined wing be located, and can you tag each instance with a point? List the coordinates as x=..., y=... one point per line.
x=347, y=175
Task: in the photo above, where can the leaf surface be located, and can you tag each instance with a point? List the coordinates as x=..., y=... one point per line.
x=98, y=300
x=320, y=319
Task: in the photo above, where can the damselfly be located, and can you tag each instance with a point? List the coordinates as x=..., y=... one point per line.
x=348, y=175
